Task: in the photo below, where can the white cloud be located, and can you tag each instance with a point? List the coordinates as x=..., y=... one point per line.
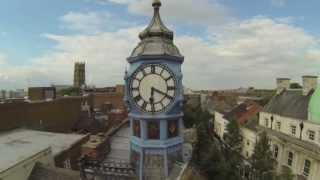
x=251, y=52
x=105, y=54
x=92, y=22
x=241, y=53
x=187, y=11
x=85, y=22
x=202, y=12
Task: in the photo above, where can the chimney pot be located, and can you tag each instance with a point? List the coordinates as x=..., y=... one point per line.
x=309, y=83
x=282, y=84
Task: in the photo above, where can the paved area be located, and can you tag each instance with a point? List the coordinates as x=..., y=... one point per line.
x=120, y=146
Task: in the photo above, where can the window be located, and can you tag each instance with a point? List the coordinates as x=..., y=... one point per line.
x=67, y=164
x=278, y=126
x=275, y=151
x=267, y=122
x=248, y=143
x=173, y=130
x=136, y=128
x=293, y=130
x=290, y=158
x=153, y=130
x=311, y=135
x=306, y=169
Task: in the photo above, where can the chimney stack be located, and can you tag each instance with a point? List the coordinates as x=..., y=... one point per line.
x=282, y=84
x=309, y=83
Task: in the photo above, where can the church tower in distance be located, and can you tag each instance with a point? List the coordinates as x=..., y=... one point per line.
x=154, y=95
x=79, y=79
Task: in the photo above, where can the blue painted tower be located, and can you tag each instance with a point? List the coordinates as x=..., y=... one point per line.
x=154, y=95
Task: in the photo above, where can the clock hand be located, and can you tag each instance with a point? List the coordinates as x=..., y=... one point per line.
x=151, y=99
x=160, y=92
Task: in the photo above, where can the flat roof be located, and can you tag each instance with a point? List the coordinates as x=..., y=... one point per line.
x=21, y=144
x=120, y=145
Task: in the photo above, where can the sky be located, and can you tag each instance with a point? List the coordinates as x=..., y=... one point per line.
x=226, y=43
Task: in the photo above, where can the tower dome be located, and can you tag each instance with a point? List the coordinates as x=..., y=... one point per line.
x=156, y=39
x=314, y=107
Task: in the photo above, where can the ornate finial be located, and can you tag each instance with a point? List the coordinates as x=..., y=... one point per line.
x=156, y=3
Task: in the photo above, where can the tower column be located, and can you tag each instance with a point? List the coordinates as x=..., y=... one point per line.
x=144, y=129
x=163, y=128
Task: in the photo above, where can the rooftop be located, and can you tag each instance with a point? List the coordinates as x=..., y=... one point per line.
x=120, y=145
x=156, y=39
x=42, y=172
x=289, y=103
x=244, y=112
x=20, y=144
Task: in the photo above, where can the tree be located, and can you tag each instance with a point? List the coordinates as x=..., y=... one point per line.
x=286, y=174
x=295, y=86
x=262, y=160
x=208, y=155
x=193, y=116
x=72, y=91
x=233, y=139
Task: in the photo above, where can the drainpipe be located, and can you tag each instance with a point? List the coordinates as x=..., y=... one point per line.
x=301, y=129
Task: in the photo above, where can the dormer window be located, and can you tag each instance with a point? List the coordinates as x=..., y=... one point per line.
x=278, y=125
x=311, y=135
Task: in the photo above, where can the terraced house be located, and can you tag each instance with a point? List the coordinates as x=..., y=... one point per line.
x=292, y=121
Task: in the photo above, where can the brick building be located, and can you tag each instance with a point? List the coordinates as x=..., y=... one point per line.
x=97, y=147
x=59, y=115
x=109, y=95
x=41, y=93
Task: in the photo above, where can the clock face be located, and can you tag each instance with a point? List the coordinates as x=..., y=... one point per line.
x=153, y=87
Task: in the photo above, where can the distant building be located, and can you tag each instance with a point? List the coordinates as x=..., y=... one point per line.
x=21, y=149
x=58, y=115
x=41, y=93
x=60, y=87
x=79, y=79
x=242, y=113
x=107, y=97
x=3, y=94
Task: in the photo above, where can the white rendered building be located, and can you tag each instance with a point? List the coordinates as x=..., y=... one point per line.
x=292, y=122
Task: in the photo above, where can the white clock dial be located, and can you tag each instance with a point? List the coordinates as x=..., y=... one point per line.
x=153, y=87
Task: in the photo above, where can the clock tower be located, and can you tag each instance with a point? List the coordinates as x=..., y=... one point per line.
x=154, y=95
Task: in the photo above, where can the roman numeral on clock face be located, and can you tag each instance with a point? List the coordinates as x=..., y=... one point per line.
x=153, y=69
x=144, y=105
x=168, y=78
x=170, y=88
x=137, y=98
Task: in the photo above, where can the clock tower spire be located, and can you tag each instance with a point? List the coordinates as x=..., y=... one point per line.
x=154, y=98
